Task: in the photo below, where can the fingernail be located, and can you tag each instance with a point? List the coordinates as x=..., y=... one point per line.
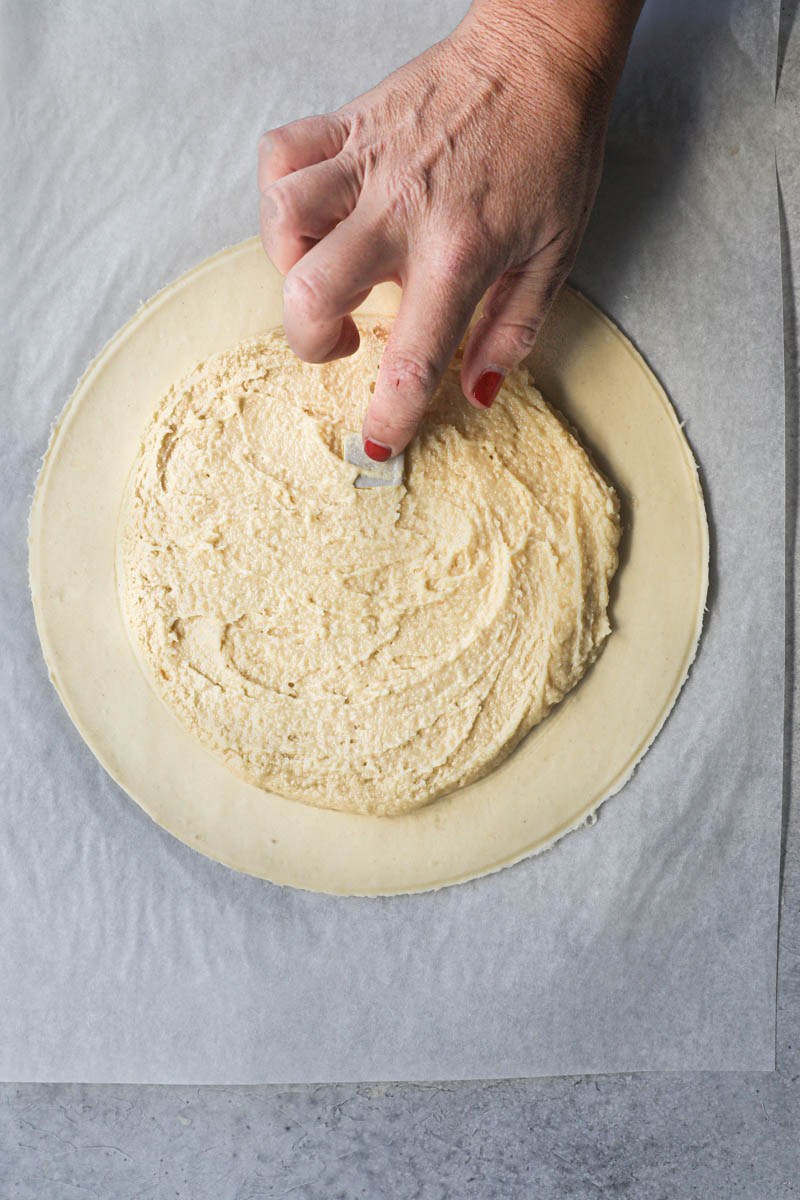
x=487, y=387
x=376, y=450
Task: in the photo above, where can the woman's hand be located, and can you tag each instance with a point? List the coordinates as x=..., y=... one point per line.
x=474, y=167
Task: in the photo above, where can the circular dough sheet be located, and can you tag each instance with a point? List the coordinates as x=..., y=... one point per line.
x=580, y=755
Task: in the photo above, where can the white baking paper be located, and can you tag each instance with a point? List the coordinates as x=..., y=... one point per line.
x=645, y=942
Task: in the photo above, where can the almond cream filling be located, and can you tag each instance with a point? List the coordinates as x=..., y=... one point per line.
x=360, y=649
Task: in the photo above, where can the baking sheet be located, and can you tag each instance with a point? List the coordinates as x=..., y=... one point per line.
x=645, y=942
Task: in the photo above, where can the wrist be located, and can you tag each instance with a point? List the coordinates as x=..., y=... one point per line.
x=592, y=35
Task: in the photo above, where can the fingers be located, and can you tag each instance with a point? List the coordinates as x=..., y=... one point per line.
x=300, y=144
x=300, y=209
x=328, y=282
x=433, y=317
x=513, y=313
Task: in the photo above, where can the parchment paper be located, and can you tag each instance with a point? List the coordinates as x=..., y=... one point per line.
x=646, y=942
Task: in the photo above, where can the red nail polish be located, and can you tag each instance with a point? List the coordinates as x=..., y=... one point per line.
x=376, y=450
x=487, y=387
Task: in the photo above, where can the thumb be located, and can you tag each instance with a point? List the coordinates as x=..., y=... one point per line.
x=433, y=317
x=513, y=313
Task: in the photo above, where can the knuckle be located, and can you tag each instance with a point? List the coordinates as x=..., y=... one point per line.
x=524, y=333
x=456, y=257
x=275, y=140
x=351, y=175
x=518, y=336
x=269, y=147
x=354, y=121
x=305, y=294
x=411, y=377
x=372, y=153
x=409, y=190
x=280, y=205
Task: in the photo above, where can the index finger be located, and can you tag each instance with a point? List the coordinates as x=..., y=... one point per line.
x=434, y=314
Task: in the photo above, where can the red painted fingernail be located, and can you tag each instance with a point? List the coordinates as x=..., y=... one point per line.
x=487, y=387
x=377, y=450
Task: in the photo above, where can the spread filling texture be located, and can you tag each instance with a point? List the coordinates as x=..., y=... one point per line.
x=361, y=649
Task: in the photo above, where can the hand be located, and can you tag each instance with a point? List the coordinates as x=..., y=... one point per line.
x=474, y=167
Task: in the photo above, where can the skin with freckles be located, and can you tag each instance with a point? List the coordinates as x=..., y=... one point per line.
x=470, y=170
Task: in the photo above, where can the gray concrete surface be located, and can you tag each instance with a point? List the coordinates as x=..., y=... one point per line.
x=641, y=1136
